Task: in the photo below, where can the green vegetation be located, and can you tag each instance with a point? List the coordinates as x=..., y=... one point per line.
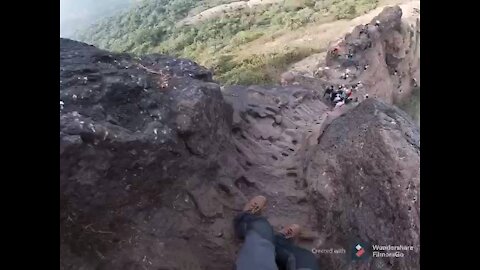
x=139, y=29
x=351, y=8
x=257, y=69
x=152, y=27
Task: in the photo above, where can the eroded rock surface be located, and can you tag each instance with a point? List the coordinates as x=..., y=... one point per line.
x=364, y=178
x=141, y=145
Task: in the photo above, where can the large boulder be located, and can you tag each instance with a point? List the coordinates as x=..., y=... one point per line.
x=138, y=138
x=364, y=179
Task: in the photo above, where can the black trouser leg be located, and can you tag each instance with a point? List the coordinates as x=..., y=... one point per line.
x=290, y=256
x=258, y=250
x=245, y=222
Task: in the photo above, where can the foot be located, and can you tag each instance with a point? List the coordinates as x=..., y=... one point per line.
x=291, y=231
x=255, y=205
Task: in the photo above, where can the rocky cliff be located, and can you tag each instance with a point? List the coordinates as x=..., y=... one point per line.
x=384, y=55
x=156, y=160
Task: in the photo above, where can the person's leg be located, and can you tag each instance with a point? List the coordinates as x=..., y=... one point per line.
x=284, y=257
x=245, y=222
x=325, y=92
x=258, y=250
x=290, y=256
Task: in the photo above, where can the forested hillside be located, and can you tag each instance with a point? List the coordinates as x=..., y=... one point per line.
x=154, y=27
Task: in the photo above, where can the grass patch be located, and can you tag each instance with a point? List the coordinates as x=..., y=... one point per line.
x=257, y=69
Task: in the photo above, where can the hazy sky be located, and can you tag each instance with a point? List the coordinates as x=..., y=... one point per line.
x=75, y=14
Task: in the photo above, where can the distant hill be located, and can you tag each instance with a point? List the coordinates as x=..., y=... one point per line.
x=143, y=26
x=77, y=15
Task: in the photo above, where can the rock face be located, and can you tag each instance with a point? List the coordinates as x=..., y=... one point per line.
x=136, y=136
x=364, y=176
x=384, y=57
x=156, y=160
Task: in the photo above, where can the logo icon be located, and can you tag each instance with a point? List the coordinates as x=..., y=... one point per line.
x=360, y=251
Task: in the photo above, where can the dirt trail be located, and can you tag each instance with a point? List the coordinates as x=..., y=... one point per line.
x=273, y=137
x=222, y=9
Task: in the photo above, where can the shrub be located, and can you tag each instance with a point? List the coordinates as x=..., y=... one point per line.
x=346, y=10
x=243, y=37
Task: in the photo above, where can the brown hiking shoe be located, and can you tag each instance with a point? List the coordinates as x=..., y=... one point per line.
x=255, y=205
x=291, y=231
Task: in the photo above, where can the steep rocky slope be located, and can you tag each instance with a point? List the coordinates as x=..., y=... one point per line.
x=385, y=58
x=156, y=160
